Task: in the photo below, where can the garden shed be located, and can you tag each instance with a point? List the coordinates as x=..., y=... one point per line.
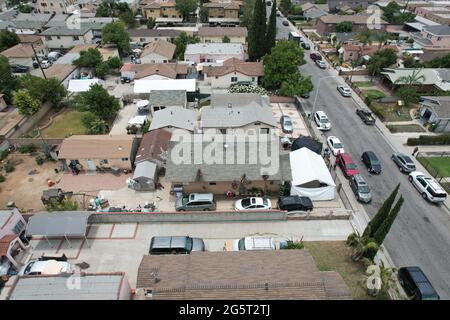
x=144, y=176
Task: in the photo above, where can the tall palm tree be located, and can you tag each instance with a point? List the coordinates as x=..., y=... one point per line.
x=382, y=37
x=362, y=245
x=412, y=79
x=365, y=37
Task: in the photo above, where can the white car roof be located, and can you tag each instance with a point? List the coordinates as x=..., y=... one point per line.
x=334, y=139
x=259, y=243
x=321, y=114
x=49, y=267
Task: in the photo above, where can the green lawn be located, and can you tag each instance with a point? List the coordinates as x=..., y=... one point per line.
x=362, y=84
x=438, y=164
x=335, y=256
x=65, y=124
x=374, y=94
x=392, y=113
x=405, y=128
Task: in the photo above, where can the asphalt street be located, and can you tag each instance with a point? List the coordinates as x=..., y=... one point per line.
x=420, y=235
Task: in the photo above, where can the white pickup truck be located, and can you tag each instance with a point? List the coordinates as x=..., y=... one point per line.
x=48, y=267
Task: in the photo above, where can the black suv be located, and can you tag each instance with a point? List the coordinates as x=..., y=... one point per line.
x=315, y=56
x=305, y=46
x=295, y=203
x=366, y=116
x=371, y=161
x=18, y=68
x=175, y=245
x=416, y=284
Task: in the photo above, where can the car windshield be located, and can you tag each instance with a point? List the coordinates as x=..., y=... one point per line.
x=408, y=160
x=324, y=120
x=287, y=123
x=265, y=202
x=363, y=189
x=189, y=244
x=28, y=268
x=337, y=145
x=351, y=166
x=245, y=202
x=375, y=162
x=241, y=244
x=184, y=200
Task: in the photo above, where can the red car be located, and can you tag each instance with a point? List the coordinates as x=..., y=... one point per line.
x=315, y=56
x=347, y=165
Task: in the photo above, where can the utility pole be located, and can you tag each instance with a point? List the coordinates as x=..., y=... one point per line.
x=39, y=63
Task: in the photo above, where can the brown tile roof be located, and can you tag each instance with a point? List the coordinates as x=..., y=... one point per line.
x=225, y=5
x=4, y=243
x=235, y=65
x=151, y=144
x=96, y=147
x=59, y=71
x=357, y=19
x=29, y=38
x=171, y=33
x=161, y=47
x=20, y=51
x=280, y=274
x=222, y=31
x=159, y=4
x=169, y=70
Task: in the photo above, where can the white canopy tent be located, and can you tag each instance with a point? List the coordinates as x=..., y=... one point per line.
x=310, y=176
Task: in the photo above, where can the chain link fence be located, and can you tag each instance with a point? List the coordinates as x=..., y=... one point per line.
x=433, y=168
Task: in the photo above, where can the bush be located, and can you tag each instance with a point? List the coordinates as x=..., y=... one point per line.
x=4, y=154
x=290, y=244
x=40, y=160
x=2, y=178
x=133, y=129
x=9, y=167
x=27, y=148
x=377, y=109
x=443, y=139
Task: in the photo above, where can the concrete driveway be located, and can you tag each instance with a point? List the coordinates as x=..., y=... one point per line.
x=289, y=109
x=125, y=114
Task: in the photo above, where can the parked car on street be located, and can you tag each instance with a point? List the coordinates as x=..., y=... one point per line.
x=321, y=64
x=175, y=245
x=196, y=202
x=365, y=115
x=250, y=244
x=428, y=188
x=322, y=121
x=403, y=162
x=315, y=56
x=370, y=159
x=286, y=124
x=18, y=68
x=345, y=162
x=253, y=203
x=360, y=188
x=306, y=46
x=295, y=203
x=47, y=267
x=344, y=91
x=416, y=284
x=45, y=64
x=335, y=145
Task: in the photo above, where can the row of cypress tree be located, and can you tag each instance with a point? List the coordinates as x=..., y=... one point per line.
x=261, y=36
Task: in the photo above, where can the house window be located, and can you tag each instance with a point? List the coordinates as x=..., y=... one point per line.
x=439, y=38
x=264, y=130
x=142, y=39
x=212, y=183
x=429, y=36
x=257, y=123
x=234, y=79
x=223, y=131
x=76, y=38
x=58, y=37
x=48, y=38
x=253, y=78
x=124, y=159
x=18, y=227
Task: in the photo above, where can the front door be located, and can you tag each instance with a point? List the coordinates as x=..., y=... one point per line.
x=91, y=165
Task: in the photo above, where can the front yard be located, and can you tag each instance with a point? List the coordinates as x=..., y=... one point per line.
x=405, y=128
x=390, y=112
x=439, y=165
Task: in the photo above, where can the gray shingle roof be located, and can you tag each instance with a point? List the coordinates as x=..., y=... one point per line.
x=440, y=105
x=145, y=169
x=438, y=30
x=237, y=160
x=176, y=117
x=167, y=98
x=65, y=31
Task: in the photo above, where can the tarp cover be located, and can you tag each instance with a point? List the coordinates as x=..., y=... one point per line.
x=309, y=168
x=307, y=142
x=58, y=224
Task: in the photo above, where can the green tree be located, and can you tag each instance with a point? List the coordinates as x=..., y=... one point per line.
x=408, y=94
x=286, y=6
x=381, y=59
x=362, y=246
x=413, y=79
x=386, y=276
x=181, y=42
x=296, y=85
x=24, y=8
x=226, y=39
x=344, y=26
x=66, y=204
x=247, y=13
x=114, y=62
x=111, y=8
x=102, y=70
x=272, y=28
x=186, y=7
x=381, y=215
x=382, y=37
x=89, y=59
x=35, y=86
x=98, y=101
x=410, y=62
x=203, y=14
x=93, y=123
x=365, y=37
x=128, y=18
x=393, y=14
x=281, y=63
x=383, y=230
x=8, y=82
x=55, y=92
x=8, y=39
x=116, y=33
x=151, y=22
x=439, y=62
x=257, y=32
x=26, y=104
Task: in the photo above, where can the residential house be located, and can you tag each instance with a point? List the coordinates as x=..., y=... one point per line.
x=28, y=39
x=91, y=151
x=242, y=275
x=153, y=147
x=153, y=71
x=436, y=110
x=336, y=5
x=161, y=10
x=63, y=72
x=145, y=36
x=174, y=119
x=213, y=52
x=229, y=113
x=434, y=80
x=82, y=85
x=107, y=51
x=65, y=38
x=439, y=15
x=58, y=20
x=147, y=86
x=313, y=11
x=433, y=38
x=217, y=34
x=159, y=51
x=161, y=99
x=23, y=54
x=29, y=23
x=223, y=11
x=354, y=52
x=233, y=71
x=56, y=6
x=327, y=24
x=93, y=286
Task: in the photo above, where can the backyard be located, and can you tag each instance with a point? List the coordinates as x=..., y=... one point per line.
x=65, y=124
x=335, y=256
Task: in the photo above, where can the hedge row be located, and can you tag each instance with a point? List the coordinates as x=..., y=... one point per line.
x=377, y=109
x=443, y=139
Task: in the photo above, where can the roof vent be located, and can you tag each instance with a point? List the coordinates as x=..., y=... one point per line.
x=266, y=286
x=225, y=146
x=230, y=105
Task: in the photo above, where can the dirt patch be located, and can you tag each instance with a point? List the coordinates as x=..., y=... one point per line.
x=25, y=189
